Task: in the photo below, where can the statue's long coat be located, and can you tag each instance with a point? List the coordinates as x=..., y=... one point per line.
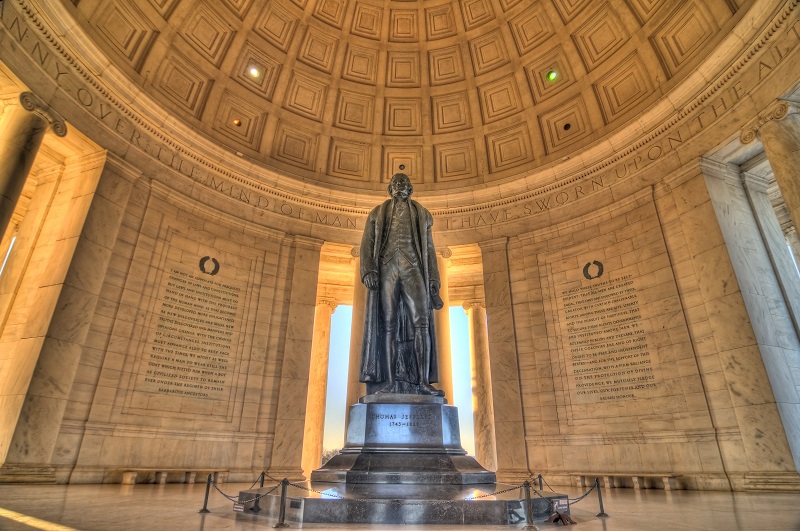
x=373, y=367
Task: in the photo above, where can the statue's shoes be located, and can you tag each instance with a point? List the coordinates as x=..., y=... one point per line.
x=428, y=389
x=390, y=389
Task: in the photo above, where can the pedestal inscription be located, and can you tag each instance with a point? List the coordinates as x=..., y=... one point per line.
x=190, y=350
x=608, y=350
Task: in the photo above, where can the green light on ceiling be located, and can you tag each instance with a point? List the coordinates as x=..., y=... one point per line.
x=552, y=75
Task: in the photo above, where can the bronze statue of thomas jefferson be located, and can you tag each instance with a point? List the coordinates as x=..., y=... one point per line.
x=398, y=267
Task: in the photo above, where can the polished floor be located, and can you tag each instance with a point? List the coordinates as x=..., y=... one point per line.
x=174, y=507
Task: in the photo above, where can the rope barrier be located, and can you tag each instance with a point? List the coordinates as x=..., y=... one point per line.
x=259, y=478
x=545, y=482
x=582, y=496
x=470, y=498
x=236, y=499
x=255, y=500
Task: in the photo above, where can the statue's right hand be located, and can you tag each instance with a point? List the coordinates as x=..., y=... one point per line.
x=371, y=280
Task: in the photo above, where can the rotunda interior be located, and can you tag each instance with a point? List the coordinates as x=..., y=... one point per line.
x=614, y=188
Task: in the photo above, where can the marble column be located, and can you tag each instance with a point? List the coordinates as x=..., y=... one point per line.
x=22, y=128
x=482, y=410
x=441, y=320
x=79, y=235
x=753, y=335
x=779, y=131
x=356, y=389
x=775, y=242
x=317, y=387
x=794, y=245
x=286, y=460
x=512, y=456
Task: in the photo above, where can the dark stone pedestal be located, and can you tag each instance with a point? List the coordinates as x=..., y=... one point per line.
x=403, y=463
x=405, y=439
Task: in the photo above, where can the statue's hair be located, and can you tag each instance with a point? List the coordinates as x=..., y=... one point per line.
x=400, y=176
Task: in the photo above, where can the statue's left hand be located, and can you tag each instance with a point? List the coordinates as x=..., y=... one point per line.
x=371, y=280
x=436, y=301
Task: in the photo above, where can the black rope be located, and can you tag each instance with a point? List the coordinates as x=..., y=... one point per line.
x=236, y=498
x=582, y=496
x=256, y=481
x=548, y=485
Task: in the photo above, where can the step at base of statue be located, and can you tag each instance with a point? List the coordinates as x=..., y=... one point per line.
x=413, y=469
x=339, y=503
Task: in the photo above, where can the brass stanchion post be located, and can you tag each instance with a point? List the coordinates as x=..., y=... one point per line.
x=599, y=497
x=282, y=513
x=205, y=501
x=528, y=509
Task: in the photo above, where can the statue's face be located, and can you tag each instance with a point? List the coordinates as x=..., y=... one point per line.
x=400, y=186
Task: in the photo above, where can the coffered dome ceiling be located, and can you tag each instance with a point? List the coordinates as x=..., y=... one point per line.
x=461, y=93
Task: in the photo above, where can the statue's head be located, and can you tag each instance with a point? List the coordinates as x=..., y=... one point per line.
x=400, y=186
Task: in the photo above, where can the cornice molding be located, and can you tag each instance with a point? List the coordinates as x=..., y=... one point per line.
x=755, y=183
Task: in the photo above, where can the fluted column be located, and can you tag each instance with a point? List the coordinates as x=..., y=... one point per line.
x=482, y=409
x=22, y=128
x=441, y=320
x=356, y=389
x=317, y=386
x=779, y=131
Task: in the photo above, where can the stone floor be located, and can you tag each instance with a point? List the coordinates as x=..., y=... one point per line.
x=174, y=507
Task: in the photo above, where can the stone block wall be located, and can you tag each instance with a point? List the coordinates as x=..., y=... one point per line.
x=636, y=352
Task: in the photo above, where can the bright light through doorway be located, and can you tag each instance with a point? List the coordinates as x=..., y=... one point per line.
x=336, y=402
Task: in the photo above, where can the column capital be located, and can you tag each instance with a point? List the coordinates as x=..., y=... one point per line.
x=355, y=252
x=444, y=252
x=498, y=244
x=329, y=302
x=473, y=304
x=777, y=111
x=31, y=102
x=315, y=244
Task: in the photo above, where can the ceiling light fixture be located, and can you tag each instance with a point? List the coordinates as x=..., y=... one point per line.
x=552, y=75
x=237, y=122
x=254, y=71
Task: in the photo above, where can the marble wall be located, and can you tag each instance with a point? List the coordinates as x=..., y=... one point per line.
x=145, y=330
x=649, y=364
x=150, y=331
x=628, y=249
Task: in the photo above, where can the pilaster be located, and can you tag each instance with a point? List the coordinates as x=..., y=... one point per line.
x=512, y=459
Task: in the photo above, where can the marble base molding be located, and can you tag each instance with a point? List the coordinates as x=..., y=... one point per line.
x=767, y=482
x=30, y=474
